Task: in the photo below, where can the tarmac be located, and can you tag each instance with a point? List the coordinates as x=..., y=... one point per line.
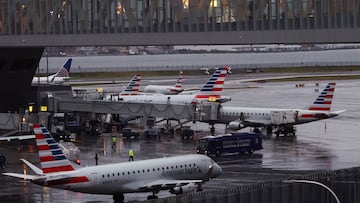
x=319, y=146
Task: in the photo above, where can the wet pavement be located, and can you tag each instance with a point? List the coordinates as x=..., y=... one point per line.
x=322, y=145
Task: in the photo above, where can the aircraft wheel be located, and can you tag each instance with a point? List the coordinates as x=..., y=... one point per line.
x=118, y=198
x=251, y=150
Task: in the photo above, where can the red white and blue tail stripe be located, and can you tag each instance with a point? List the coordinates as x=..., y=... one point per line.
x=214, y=86
x=52, y=158
x=178, y=84
x=324, y=100
x=133, y=86
x=65, y=70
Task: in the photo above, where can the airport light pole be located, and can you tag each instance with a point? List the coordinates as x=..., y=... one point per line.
x=315, y=183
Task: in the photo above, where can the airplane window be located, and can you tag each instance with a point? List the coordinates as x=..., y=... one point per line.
x=108, y=175
x=172, y=167
x=103, y=176
x=185, y=166
x=194, y=164
x=167, y=167
x=158, y=169
x=113, y=174
x=153, y=169
x=129, y=172
x=138, y=171
x=123, y=173
x=143, y=171
x=176, y=166
x=118, y=174
x=162, y=168
x=148, y=170
x=134, y=172
x=180, y=166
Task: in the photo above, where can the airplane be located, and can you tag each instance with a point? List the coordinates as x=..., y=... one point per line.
x=177, y=174
x=211, y=91
x=167, y=90
x=241, y=117
x=61, y=76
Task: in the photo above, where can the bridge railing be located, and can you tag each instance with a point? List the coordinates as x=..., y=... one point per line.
x=38, y=17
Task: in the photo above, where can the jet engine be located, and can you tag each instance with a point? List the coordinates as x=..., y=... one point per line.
x=236, y=125
x=182, y=189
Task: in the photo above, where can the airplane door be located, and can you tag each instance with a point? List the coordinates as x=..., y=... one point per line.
x=204, y=166
x=94, y=178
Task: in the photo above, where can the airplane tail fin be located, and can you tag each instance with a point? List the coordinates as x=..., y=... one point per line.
x=212, y=89
x=324, y=100
x=52, y=158
x=65, y=70
x=178, y=84
x=132, y=87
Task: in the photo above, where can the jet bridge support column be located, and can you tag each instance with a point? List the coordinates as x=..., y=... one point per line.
x=209, y=114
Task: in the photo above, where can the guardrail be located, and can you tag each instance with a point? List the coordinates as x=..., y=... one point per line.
x=344, y=182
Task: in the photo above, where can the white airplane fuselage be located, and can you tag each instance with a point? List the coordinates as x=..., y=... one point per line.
x=159, y=89
x=160, y=99
x=134, y=176
x=52, y=79
x=263, y=115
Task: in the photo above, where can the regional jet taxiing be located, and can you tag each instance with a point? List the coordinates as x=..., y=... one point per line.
x=177, y=174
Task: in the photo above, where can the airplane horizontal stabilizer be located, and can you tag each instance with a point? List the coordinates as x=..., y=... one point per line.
x=336, y=113
x=33, y=167
x=23, y=176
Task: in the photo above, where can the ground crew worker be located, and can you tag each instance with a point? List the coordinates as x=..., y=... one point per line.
x=96, y=159
x=2, y=160
x=131, y=155
x=114, y=142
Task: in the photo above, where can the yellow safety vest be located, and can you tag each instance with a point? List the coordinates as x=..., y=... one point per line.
x=131, y=153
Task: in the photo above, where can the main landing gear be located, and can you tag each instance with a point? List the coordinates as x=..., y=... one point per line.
x=118, y=198
x=153, y=196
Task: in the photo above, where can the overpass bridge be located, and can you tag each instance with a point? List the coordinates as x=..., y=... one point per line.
x=27, y=27
x=41, y=23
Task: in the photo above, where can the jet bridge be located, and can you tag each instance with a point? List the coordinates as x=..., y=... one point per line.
x=206, y=112
x=166, y=111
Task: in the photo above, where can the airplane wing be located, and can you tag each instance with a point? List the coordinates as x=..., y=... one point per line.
x=256, y=123
x=167, y=184
x=20, y=137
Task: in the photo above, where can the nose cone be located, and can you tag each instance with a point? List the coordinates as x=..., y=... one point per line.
x=217, y=170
